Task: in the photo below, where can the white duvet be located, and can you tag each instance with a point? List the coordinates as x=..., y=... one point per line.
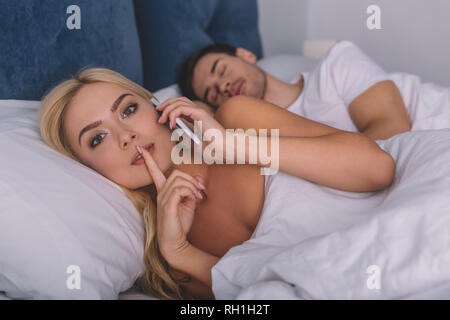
x=313, y=242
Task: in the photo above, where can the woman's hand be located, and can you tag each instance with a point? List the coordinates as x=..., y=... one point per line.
x=184, y=108
x=176, y=201
x=205, y=106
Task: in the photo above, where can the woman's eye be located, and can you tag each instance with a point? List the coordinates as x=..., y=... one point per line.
x=94, y=139
x=132, y=107
x=223, y=71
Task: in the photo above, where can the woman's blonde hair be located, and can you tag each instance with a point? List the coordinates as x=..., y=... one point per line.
x=157, y=280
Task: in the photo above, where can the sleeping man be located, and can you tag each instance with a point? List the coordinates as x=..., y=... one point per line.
x=346, y=90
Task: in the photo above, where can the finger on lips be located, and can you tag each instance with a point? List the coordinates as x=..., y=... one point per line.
x=152, y=167
x=177, y=176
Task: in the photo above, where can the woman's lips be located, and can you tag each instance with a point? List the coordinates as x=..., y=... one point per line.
x=150, y=148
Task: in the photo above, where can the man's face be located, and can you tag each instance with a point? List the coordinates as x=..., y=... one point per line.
x=110, y=148
x=218, y=77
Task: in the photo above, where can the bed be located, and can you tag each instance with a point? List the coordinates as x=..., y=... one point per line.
x=52, y=245
x=55, y=246
x=40, y=215
x=391, y=244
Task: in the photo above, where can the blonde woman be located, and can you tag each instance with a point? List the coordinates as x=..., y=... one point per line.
x=194, y=213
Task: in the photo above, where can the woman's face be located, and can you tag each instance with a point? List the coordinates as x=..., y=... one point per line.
x=125, y=120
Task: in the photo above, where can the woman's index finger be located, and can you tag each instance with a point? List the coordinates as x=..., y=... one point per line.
x=155, y=172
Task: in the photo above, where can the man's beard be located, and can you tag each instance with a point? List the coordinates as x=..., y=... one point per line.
x=262, y=83
x=263, y=94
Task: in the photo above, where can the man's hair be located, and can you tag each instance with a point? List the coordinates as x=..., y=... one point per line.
x=186, y=71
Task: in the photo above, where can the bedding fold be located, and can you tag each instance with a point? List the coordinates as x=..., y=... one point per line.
x=392, y=244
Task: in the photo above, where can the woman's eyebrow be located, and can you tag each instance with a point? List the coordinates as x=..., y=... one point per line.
x=95, y=124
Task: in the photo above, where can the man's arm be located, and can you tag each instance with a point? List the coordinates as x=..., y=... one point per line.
x=379, y=112
x=311, y=150
x=346, y=161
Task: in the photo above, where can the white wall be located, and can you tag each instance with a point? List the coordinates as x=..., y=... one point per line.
x=415, y=34
x=282, y=25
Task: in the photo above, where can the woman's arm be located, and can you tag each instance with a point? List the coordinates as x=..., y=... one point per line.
x=198, y=264
x=196, y=288
x=322, y=154
x=176, y=203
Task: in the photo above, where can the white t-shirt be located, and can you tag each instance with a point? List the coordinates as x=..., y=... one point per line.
x=345, y=72
x=296, y=209
x=341, y=75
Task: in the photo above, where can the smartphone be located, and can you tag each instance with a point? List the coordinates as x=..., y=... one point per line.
x=179, y=123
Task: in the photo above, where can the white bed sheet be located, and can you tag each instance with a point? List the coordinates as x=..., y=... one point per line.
x=4, y=297
x=135, y=294
x=398, y=249
x=132, y=294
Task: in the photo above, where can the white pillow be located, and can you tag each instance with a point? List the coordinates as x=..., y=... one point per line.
x=56, y=213
x=283, y=66
x=287, y=66
x=166, y=93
